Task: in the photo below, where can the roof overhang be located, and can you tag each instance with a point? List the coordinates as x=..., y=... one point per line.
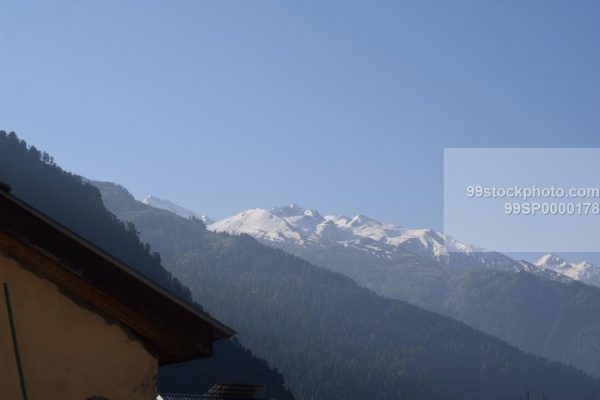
x=172, y=329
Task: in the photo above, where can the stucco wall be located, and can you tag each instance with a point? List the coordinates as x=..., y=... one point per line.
x=68, y=352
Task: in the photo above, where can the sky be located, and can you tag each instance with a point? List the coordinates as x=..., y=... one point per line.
x=343, y=106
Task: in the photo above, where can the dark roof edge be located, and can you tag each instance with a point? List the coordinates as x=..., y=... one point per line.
x=222, y=331
x=5, y=187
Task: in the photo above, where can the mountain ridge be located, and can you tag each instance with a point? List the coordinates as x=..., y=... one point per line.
x=305, y=227
x=308, y=308
x=543, y=315
x=583, y=271
x=168, y=205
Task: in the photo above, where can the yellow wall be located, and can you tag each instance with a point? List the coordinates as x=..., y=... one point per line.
x=68, y=352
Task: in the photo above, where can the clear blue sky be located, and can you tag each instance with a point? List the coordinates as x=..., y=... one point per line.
x=342, y=106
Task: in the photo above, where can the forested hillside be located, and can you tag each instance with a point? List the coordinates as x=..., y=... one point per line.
x=36, y=179
x=536, y=309
x=553, y=319
x=331, y=338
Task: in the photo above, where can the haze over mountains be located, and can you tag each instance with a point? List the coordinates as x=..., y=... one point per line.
x=298, y=229
x=329, y=337
x=176, y=209
x=536, y=307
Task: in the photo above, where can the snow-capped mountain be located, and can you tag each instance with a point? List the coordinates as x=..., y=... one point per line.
x=175, y=209
x=298, y=230
x=297, y=225
x=545, y=272
x=582, y=271
x=370, y=251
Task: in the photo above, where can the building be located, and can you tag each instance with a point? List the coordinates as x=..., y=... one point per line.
x=77, y=324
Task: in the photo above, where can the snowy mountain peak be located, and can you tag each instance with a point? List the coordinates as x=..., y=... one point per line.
x=260, y=223
x=585, y=269
x=297, y=227
x=582, y=271
x=168, y=205
x=294, y=210
x=584, y=265
x=290, y=210
x=551, y=261
x=312, y=213
x=362, y=220
x=305, y=232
